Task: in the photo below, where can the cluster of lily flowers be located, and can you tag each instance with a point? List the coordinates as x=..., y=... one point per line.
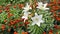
x=37, y=19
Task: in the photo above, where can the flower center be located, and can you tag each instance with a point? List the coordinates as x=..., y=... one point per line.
x=42, y=7
x=36, y=19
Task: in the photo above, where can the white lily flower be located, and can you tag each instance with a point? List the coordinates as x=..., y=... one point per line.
x=25, y=16
x=42, y=6
x=26, y=13
x=37, y=19
x=27, y=7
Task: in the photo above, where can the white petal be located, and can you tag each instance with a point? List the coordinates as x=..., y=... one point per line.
x=29, y=13
x=40, y=3
x=30, y=8
x=27, y=4
x=38, y=7
x=45, y=5
x=40, y=16
x=32, y=18
x=36, y=14
x=46, y=8
x=25, y=18
x=41, y=21
x=25, y=8
x=38, y=24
